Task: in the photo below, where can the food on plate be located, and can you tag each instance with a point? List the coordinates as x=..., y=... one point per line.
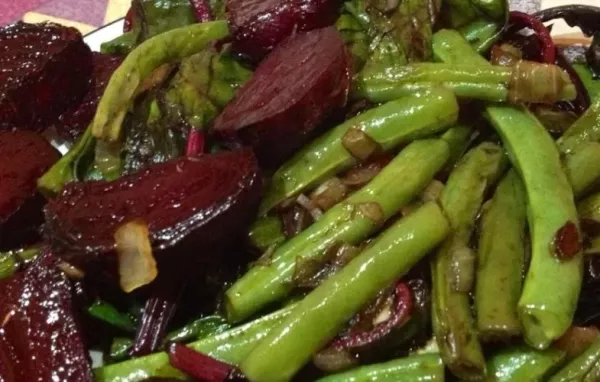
x=309, y=190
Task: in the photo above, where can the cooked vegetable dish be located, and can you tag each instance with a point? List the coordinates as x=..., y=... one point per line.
x=302, y=190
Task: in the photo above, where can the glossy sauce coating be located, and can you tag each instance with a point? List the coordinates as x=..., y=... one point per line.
x=299, y=84
x=196, y=201
x=259, y=25
x=44, y=69
x=40, y=339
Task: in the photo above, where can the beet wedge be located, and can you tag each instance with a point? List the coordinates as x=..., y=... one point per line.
x=189, y=204
x=73, y=122
x=296, y=87
x=25, y=157
x=258, y=26
x=40, y=339
x=44, y=69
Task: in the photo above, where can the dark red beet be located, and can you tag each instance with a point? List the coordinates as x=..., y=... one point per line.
x=44, y=69
x=192, y=202
x=25, y=157
x=300, y=84
x=39, y=338
x=76, y=119
x=259, y=25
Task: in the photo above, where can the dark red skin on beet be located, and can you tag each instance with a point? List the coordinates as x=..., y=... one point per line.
x=40, y=337
x=189, y=204
x=44, y=69
x=296, y=87
x=25, y=157
x=258, y=26
x=73, y=122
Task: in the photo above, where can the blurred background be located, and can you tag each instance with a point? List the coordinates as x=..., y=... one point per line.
x=88, y=15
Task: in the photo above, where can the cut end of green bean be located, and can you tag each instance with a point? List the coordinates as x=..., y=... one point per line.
x=540, y=326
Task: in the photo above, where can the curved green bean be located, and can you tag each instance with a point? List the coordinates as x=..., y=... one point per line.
x=584, y=368
x=481, y=34
x=125, y=82
x=585, y=129
x=523, y=364
x=453, y=324
x=546, y=307
x=416, y=368
x=231, y=346
x=394, y=187
x=324, y=311
x=582, y=167
x=400, y=121
x=501, y=262
x=265, y=232
x=483, y=91
x=449, y=46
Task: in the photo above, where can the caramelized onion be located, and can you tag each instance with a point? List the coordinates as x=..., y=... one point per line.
x=332, y=360
x=307, y=204
x=372, y=211
x=328, y=194
x=137, y=266
x=359, y=144
x=505, y=55
x=540, y=83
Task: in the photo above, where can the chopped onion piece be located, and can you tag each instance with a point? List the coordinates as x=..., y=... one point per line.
x=137, y=266
x=328, y=194
x=359, y=144
x=332, y=360
x=539, y=83
x=72, y=272
x=307, y=204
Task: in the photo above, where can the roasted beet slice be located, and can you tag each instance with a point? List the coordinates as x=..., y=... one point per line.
x=76, y=119
x=44, y=69
x=25, y=157
x=259, y=25
x=189, y=204
x=301, y=83
x=40, y=339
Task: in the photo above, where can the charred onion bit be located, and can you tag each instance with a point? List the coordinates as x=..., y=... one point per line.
x=201, y=366
x=76, y=119
x=520, y=20
x=39, y=337
x=401, y=311
x=567, y=242
x=45, y=69
x=298, y=85
x=26, y=156
x=258, y=26
x=190, y=203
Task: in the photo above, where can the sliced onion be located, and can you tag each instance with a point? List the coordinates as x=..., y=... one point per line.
x=137, y=266
x=462, y=268
x=505, y=55
x=538, y=83
x=373, y=211
x=71, y=271
x=432, y=192
x=295, y=220
x=332, y=360
x=359, y=144
x=307, y=204
x=328, y=194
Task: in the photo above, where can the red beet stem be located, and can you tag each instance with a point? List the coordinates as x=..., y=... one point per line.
x=128, y=23
x=525, y=20
x=195, y=143
x=403, y=307
x=198, y=365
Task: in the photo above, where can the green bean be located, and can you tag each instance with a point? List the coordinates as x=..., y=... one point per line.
x=324, y=311
x=391, y=125
x=119, y=348
x=266, y=232
x=524, y=82
x=459, y=138
x=349, y=222
x=589, y=208
x=585, y=129
x=231, y=346
x=546, y=307
x=584, y=368
x=11, y=261
x=126, y=81
x=109, y=314
x=481, y=34
x=453, y=323
x=523, y=364
x=450, y=47
x=64, y=171
x=583, y=168
x=500, y=262
x=483, y=91
x=416, y=368
x=120, y=45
